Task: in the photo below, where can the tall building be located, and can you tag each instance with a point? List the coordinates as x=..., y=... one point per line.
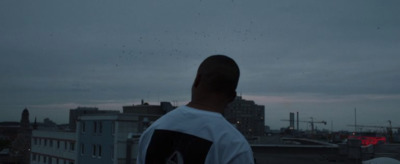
x=80, y=111
x=103, y=138
x=291, y=116
x=99, y=136
x=22, y=144
x=147, y=114
x=53, y=146
x=246, y=116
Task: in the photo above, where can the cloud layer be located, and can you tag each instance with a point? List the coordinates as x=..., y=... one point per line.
x=304, y=53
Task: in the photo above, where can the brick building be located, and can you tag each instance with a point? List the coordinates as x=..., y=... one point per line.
x=246, y=116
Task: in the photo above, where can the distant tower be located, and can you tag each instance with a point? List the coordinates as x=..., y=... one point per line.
x=297, y=121
x=291, y=116
x=25, y=119
x=21, y=146
x=35, y=125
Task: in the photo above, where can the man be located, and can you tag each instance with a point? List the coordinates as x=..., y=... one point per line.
x=197, y=132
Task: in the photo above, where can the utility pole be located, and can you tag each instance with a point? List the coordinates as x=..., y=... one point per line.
x=297, y=121
x=389, y=131
x=355, y=120
x=312, y=126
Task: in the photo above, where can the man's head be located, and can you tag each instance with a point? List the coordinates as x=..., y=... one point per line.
x=218, y=75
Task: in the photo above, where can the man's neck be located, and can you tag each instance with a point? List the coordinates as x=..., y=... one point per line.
x=205, y=106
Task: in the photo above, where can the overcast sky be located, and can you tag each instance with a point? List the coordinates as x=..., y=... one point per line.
x=320, y=58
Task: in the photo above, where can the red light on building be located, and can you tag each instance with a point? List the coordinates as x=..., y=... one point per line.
x=367, y=140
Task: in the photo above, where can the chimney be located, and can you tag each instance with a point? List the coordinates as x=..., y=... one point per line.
x=297, y=121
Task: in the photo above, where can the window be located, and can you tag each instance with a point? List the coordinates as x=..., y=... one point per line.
x=58, y=144
x=113, y=128
x=112, y=152
x=45, y=142
x=51, y=143
x=35, y=141
x=82, y=148
x=72, y=146
x=94, y=150
x=65, y=145
x=50, y=160
x=100, y=127
x=94, y=126
x=99, y=146
x=83, y=127
x=33, y=157
x=44, y=159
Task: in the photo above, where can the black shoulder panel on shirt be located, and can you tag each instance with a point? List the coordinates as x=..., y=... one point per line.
x=176, y=148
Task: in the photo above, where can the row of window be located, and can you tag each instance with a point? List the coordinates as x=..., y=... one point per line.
x=54, y=143
x=49, y=160
x=96, y=150
x=97, y=127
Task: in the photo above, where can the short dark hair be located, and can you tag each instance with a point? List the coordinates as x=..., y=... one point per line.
x=219, y=73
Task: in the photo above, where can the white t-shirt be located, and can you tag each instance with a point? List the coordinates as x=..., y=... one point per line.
x=187, y=135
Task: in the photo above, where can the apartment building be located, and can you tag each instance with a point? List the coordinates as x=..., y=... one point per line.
x=53, y=147
x=147, y=113
x=102, y=139
x=74, y=114
x=246, y=116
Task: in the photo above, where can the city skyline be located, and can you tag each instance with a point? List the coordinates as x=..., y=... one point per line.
x=304, y=124
x=321, y=59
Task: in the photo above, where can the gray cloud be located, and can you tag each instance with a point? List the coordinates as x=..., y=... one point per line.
x=111, y=53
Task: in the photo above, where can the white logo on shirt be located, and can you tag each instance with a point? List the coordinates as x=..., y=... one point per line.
x=175, y=158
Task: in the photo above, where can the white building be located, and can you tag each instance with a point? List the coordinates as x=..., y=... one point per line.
x=107, y=138
x=53, y=147
x=102, y=139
